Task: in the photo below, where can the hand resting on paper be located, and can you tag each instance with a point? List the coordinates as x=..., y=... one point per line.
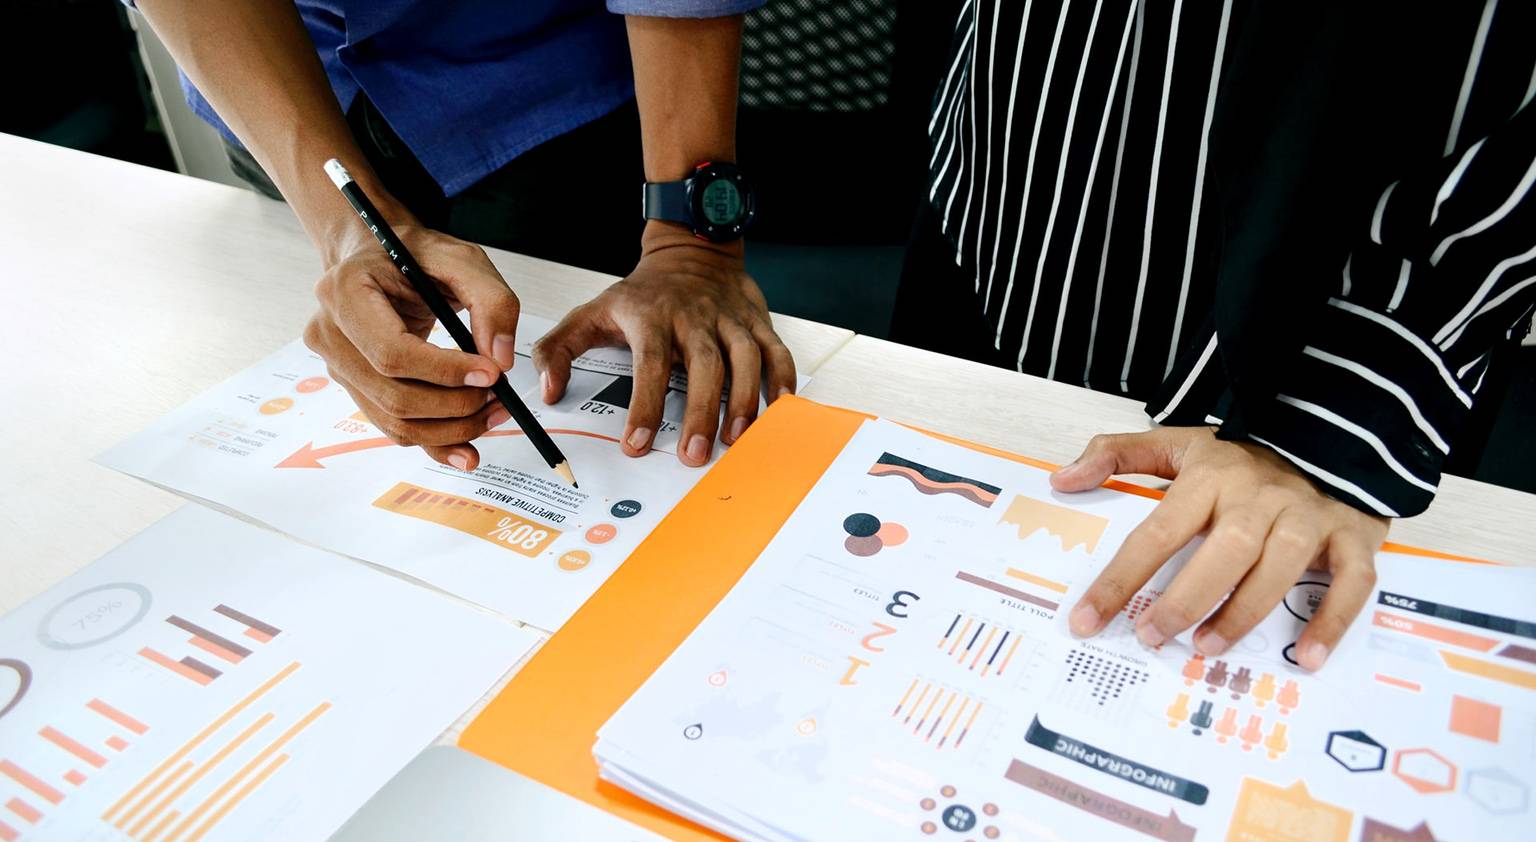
x=687, y=300
x=372, y=330
x=1266, y=524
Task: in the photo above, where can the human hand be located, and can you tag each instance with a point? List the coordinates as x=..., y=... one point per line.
x=372, y=330
x=1266, y=524
x=686, y=300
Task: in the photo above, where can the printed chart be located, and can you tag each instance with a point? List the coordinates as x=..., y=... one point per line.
x=917, y=682
x=282, y=444
x=210, y=679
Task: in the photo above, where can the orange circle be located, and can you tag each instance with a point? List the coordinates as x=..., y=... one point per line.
x=927, y=804
x=892, y=534
x=602, y=533
x=929, y=827
x=990, y=832
x=989, y=809
x=276, y=405
x=575, y=560
x=311, y=384
x=947, y=791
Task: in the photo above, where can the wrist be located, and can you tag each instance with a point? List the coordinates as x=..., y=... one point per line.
x=340, y=233
x=660, y=235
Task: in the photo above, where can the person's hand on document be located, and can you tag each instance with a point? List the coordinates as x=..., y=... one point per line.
x=1266, y=524
x=372, y=327
x=691, y=301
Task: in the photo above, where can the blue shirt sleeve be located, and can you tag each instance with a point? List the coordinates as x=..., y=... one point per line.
x=683, y=8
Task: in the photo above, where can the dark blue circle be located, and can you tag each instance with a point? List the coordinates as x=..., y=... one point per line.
x=625, y=508
x=959, y=818
x=861, y=525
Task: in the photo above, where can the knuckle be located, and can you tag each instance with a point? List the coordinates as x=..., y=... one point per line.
x=1157, y=531
x=1291, y=539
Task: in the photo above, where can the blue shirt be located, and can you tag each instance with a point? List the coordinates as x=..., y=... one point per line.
x=471, y=85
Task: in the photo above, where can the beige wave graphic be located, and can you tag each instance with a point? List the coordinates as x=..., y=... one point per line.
x=1073, y=528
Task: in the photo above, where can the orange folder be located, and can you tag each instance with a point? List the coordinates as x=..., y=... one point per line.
x=544, y=722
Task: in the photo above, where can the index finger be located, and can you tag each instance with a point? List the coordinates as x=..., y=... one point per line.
x=474, y=282
x=369, y=321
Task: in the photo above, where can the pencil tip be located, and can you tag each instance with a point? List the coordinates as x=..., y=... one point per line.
x=564, y=470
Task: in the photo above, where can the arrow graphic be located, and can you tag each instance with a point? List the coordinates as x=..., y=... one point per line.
x=309, y=456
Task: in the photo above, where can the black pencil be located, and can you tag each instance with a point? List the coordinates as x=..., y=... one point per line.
x=427, y=289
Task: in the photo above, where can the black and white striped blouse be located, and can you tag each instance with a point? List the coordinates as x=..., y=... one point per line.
x=1305, y=222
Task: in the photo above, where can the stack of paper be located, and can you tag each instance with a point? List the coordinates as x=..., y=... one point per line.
x=896, y=665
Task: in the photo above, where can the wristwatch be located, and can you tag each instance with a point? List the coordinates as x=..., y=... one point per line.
x=716, y=202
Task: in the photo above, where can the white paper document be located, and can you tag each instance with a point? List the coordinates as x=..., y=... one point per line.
x=896, y=665
x=213, y=680
x=283, y=444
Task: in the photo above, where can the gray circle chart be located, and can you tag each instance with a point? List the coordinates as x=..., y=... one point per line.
x=47, y=635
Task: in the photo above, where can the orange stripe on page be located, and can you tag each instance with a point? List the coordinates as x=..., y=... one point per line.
x=1037, y=580
x=929, y=711
x=258, y=635
x=238, y=797
x=951, y=729
x=986, y=644
x=943, y=713
x=215, y=649
x=1408, y=625
x=239, y=776
x=200, y=737
x=905, y=696
x=116, y=743
x=160, y=826
x=117, y=716
x=154, y=793
x=64, y=741
x=1491, y=671
x=21, y=808
x=961, y=636
x=26, y=779
x=1008, y=657
x=175, y=666
x=1393, y=681
x=8, y=833
x=207, y=766
x=75, y=777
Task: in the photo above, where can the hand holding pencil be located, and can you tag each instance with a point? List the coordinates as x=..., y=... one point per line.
x=377, y=308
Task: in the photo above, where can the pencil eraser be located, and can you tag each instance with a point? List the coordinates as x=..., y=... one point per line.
x=338, y=173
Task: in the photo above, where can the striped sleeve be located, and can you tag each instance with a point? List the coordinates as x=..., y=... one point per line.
x=1441, y=273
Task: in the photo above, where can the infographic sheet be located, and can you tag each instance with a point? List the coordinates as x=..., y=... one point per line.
x=210, y=679
x=896, y=665
x=285, y=445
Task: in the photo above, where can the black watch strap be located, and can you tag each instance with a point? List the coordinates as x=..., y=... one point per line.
x=667, y=201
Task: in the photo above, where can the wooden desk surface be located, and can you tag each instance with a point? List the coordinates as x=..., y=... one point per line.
x=170, y=285
x=1053, y=421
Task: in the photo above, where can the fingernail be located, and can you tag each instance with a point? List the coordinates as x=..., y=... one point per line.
x=544, y=384
x=459, y=460
x=698, y=449
x=1149, y=636
x=504, y=350
x=738, y=427
x=1313, y=657
x=1084, y=620
x=479, y=378
x=1208, y=642
x=497, y=418
x=639, y=438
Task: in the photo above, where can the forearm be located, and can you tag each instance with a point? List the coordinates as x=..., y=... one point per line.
x=685, y=86
x=255, y=63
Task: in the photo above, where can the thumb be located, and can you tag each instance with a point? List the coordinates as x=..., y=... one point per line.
x=1154, y=452
x=553, y=354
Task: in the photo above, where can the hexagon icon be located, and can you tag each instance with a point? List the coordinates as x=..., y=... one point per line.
x=1356, y=751
x=1424, y=770
x=1497, y=791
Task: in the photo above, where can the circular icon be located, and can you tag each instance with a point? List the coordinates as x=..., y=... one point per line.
x=861, y=525
x=575, y=560
x=276, y=405
x=17, y=686
x=892, y=534
x=602, y=533
x=806, y=727
x=625, y=508
x=717, y=678
x=862, y=547
x=311, y=384
x=958, y=817
x=1304, y=597
x=693, y=732
x=94, y=615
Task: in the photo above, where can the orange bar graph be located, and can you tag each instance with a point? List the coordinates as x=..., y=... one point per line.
x=488, y=523
x=1419, y=628
x=117, y=716
x=30, y=781
x=176, y=666
x=1043, y=582
x=154, y=793
x=207, y=766
x=1489, y=670
x=239, y=796
x=245, y=770
x=197, y=740
x=160, y=826
x=64, y=741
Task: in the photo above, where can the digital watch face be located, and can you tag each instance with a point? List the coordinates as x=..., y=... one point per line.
x=721, y=202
